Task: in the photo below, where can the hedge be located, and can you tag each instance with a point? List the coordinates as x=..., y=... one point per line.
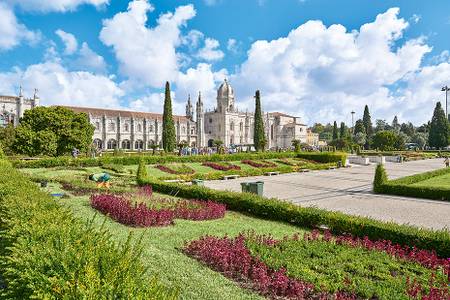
x=45, y=253
x=324, y=157
x=404, y=186
x=338, y=223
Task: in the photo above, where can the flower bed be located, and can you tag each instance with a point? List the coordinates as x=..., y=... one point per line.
x=178, y=170
x=259, y=164
x=143, y=210
x=221, y=166
x=324, y=266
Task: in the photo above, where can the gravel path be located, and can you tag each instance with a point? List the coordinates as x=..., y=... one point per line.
x=349, y=190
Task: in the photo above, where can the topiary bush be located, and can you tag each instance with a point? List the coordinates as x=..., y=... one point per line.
x=141, y=171
x=379, y=179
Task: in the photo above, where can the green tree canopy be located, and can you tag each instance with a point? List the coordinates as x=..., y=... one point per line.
x=52, y=131
x=359, y=127
x=169, y=139
x=438, y=135
x=335, y=131
x=7, y=137
x=343, y=131
x=387, y=141
x=395, y=124
x=259, y=138
x=367, y=121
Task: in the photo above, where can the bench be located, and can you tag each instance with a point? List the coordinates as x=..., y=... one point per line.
x=272, y=173
x=174, y=181
x=226, y=177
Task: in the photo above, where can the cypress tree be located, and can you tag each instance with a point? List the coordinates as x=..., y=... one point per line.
x=395, y=124
x=335, y=131
x=438, y=136
x=367, y=121
x=342, y=131
x=259, y=138
x=168, y=134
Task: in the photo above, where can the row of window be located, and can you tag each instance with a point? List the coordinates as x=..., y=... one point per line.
x=126, y=144
x=126, y=127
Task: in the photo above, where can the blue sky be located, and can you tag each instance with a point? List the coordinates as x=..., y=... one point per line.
x=391, y=55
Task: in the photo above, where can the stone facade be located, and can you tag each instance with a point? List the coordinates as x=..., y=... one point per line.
x=128, y=130
x=13, y=107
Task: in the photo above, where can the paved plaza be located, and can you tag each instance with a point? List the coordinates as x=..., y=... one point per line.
x=349, y=190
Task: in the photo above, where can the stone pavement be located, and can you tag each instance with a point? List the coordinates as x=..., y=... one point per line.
x=349, y=190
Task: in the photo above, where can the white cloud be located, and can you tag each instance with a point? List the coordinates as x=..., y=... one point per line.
x=323, y=73
x=234, y=46
x=210, y=51
x=55, y=5
x=57, y=85
x=69, y=40
x=416, y=18
x=193, y=39
x=11, y=31
x=146, y=55
x=90, y=60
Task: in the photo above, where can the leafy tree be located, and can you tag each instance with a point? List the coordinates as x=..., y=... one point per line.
x=52, y=131
x=318, y=128
x=360, y=138
x=335, y=131
x=408, y=129
x=386, y=140
x=168, y=135
x=296, y=144
x=420, y=138
x=7, y=137
x=325, y=136
x=400, y=141
x=343, y=131
x=2, y=154
x=438, y=136
x=367, y=121
x=259, y=138
x=142, y=170
x=381, y=125
x=218, y=144
x=359, y=127
x=153, y=146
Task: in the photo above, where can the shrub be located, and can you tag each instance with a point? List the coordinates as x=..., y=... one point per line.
x=178, y=170
x=338, y=223
x=45, y=253
x=324, y=157
x=142, y=169
x=221, y=166
x=259, y=164
x=380, y=178
x=114, y=167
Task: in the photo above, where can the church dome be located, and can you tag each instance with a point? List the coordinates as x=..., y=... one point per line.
x=225, y=90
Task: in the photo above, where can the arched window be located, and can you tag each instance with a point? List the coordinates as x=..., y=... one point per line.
x=97, y=125
x=111, y=126
x=232, y=126
x=126, y=144
x=3, y=120
x=192, y=131
x=151, y=128
x=126, y=127
x=139, y=145
x=112, y=144
x=139, y=128
x=98, y=143
x=241, y=126
x=151, y=143
x=271, y=132
x=183, y=130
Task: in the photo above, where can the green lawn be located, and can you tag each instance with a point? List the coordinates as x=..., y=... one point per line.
x=161, y=248
x=442, y=181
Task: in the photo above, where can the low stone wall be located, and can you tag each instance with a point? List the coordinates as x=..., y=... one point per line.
x=377, y=159
x=394, y=159
x=359, y=160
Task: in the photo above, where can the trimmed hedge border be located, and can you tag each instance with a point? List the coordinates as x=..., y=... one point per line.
x=403, y=186
x=325, y=157
x=46, y=253
x=310, y=217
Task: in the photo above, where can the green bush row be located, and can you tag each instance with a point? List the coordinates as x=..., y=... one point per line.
x=323, y=157
x=404, y=186
x=45, y=253
x=311, y=217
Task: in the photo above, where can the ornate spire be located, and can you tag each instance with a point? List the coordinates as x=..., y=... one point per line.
x=36, y=93
x=20, y=91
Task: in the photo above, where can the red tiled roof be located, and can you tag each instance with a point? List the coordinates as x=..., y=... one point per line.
x=122, y=113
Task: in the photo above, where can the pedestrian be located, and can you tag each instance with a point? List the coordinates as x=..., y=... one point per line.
x=446, y=162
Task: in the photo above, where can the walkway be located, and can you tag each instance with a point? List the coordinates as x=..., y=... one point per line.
x=349, y=190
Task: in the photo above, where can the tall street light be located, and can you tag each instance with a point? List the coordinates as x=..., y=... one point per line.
x=353, y=127
x=446, y=89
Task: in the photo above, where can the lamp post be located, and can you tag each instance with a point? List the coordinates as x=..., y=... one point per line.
x=446, y=89
x=353, y=128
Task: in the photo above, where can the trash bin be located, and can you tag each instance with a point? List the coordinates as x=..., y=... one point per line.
x=198, y=182
x=245, y=187
x=257, y=188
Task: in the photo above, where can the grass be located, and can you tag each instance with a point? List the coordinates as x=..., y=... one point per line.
x=162, y=253
x=331, y=267
x=442, y=181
